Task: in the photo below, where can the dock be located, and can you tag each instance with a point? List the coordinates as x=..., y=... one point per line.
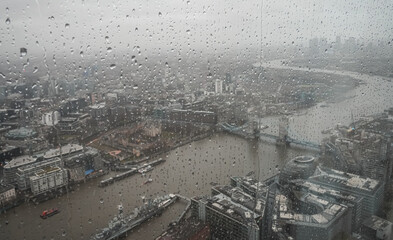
x=132, y=171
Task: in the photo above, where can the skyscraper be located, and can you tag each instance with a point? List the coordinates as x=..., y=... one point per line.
x=218, y=86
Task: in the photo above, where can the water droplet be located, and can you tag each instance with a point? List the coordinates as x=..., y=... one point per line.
x=112, y=66
x=107, y=39
x=81, y=53
x=136, y=29
x=23, y=52
x=35, y=69
x=101, y=200
x=188, y=31
x=89, y=221
x=63, y=233
x=7, y=21
x=67, y=25
x=109, y=49
x=159, y=14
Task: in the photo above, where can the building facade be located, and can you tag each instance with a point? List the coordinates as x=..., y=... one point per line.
x=48, y=179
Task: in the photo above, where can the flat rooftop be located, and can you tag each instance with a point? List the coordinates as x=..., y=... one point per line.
x=5, y=187
x=228, y=207
x=47, y=170
x=251, y=185
x=237, y=195
x=330, y=212
x=20, y=161
x=376, y=223
x=319, y=189
x=348, y=181
x=97, y=106
x=65, y=150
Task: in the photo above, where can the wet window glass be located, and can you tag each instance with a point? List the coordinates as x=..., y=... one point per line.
x=185, y=119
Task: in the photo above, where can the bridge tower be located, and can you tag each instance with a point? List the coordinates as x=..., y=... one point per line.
x=283, y=130
x=255, y=128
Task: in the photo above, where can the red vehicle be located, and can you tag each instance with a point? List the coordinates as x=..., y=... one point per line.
x=49, y=213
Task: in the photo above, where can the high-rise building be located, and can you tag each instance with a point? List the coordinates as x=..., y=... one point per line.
x=48, y=179
x=10, y=169
x=337, y=43
x=50, y=118
x=313, y=46
x=41, y=168
x=310, y=217
x=353, y=202
x=371, y=190
x=377, y=228
x=218, y=86
x=234, y=212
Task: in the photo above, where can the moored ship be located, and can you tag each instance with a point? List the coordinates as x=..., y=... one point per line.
x=120, y=225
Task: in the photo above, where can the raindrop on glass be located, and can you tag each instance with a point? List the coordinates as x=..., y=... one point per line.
x=23, y=52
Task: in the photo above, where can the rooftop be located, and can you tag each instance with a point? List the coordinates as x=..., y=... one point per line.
x=238, y=196
x=21, y=133
x=47, y=170
x=304, y=159
x=5, y=187
x=345, y=180
x=20, y=161
x=68, y=119
x=252, y=185
x=376, y=223
x=329, y=213
x=323, y=190
x=41, y=164
x=7, y=148
x=97, y=106
x=228, y=207
x=65, y=150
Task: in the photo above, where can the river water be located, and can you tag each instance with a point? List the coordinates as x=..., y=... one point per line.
x=190, y=170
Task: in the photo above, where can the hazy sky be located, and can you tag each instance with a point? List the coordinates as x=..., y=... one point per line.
x=67, y=28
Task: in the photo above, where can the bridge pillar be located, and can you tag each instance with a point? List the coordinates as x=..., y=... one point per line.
x=283, y=130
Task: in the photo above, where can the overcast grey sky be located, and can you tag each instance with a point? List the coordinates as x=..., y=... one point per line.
x=68, y=27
